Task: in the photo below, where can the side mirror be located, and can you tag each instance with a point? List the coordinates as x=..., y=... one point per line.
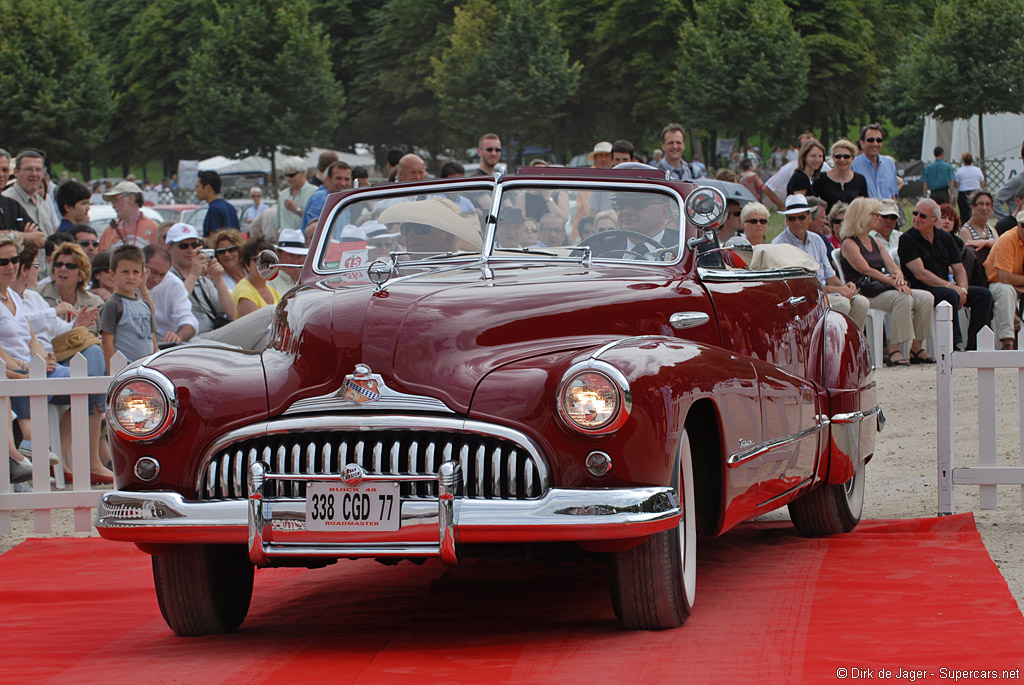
x=268, y=264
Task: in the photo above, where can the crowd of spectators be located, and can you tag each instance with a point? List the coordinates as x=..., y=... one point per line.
x=136, y=284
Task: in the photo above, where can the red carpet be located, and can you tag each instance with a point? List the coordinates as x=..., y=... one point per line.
x=772, y=607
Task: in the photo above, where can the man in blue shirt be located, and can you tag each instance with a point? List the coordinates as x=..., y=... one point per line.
x=879, y=170
x=938, y=176
x=337, y=177
x=221, y=213
x=842, y=297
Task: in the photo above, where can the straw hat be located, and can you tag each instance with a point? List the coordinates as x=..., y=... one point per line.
x=439, y=212
x=70, y=343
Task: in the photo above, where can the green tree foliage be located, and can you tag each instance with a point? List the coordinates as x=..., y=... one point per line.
x=390, y=101
x=840, y=42
x=970, y=62
x=744, y=67
x=261, y=77
x=505, y=69
x=54, y=90
x=162, y=39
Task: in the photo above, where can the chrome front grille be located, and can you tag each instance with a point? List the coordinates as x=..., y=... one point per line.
x=493, y=467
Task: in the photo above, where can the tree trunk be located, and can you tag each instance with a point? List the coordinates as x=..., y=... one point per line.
x=981, y=145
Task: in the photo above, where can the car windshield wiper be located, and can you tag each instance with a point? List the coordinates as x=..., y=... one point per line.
x=525, y=250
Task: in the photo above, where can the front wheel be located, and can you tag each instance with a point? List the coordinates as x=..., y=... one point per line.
x=203, y=589
x=830, y=509
x=653, y=584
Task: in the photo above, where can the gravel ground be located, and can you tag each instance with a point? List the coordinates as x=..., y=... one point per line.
x=901, y=479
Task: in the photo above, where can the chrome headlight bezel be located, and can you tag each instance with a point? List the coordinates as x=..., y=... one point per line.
x=615, y=377
x=165, y=390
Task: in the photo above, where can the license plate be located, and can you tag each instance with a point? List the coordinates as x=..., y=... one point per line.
x=365, y=507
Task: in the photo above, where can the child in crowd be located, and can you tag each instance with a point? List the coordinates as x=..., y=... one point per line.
x=126, y=321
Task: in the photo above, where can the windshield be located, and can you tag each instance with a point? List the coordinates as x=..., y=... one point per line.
x=543, y=221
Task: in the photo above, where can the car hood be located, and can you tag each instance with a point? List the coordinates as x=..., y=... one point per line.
x=437, y=334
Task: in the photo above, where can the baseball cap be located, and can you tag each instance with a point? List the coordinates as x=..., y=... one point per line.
x=179, y=232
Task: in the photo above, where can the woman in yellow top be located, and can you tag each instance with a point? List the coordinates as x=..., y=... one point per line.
x=253, y=291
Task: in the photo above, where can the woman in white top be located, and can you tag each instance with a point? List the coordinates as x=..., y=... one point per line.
x=968, y=179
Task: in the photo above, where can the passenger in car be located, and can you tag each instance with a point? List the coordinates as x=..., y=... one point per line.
x=551, y=231
x=434, y=226
x=510, y=231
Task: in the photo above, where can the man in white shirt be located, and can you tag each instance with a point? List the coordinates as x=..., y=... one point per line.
x=175, y=321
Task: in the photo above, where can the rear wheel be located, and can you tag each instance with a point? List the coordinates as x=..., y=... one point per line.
x=830, y=509
x=653, y=585
x=203, y=589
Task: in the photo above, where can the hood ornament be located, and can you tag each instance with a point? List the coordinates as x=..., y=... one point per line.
x=380, y=272
x=361, y=387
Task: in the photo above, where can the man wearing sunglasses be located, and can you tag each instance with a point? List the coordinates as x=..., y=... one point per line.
x=927, y=257
x=842, y=297
x=175, y=321
x=204, y=279
x=73, y=201
x=878, y=169
x=293, y=198
x=489, y=150
x=85, y=236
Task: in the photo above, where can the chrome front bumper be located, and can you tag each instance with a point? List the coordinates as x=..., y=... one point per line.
x=275, y=529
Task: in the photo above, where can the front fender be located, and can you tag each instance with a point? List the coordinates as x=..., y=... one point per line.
x=666, y=376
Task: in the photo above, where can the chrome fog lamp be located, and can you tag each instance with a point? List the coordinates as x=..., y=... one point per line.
x=147, y=469
x=141, y=406
x=599, y=464
x=594, y=397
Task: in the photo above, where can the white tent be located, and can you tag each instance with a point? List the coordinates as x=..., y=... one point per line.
x=1004, y=134
x=261, y=165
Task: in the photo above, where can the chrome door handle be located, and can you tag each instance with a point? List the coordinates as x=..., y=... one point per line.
x=793, y=301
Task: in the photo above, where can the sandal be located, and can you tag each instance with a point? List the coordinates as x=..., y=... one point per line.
x=889, y=361
x=921, y=357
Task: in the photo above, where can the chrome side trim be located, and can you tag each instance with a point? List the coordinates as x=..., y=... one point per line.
x=561, y=515
x=722, y=275
x=390, y=400
x=326, y=423
x=765, y=447
x=683, y=320
x=856, y=416
x=623, y=341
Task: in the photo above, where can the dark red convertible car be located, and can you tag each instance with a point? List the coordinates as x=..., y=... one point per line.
x=441, y=382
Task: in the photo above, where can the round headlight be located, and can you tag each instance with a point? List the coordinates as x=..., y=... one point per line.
x=590, y=400
x=140, y=409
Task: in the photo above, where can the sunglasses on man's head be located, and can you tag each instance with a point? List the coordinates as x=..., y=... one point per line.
x=923, y=215
x=293, y=174
x=89, y=243
x=189, y=245
x=798, y=217
x=872, y=140
x=493, y=149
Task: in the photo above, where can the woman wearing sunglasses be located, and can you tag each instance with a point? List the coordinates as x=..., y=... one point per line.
x=227, y=248
x=841, y=183
x=71, y=269
x=20, y=344
x=910, y=311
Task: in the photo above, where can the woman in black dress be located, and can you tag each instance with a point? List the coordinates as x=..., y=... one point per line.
x=841, y=183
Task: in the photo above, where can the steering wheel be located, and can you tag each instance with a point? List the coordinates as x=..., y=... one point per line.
x=613, y=243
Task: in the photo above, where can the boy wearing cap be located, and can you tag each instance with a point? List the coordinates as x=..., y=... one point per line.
x=126, y=321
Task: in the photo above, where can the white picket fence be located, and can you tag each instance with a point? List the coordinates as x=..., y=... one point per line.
x=43, y=498
x=987, y=475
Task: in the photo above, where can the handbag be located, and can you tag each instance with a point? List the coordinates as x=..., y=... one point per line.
x=869, y=287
